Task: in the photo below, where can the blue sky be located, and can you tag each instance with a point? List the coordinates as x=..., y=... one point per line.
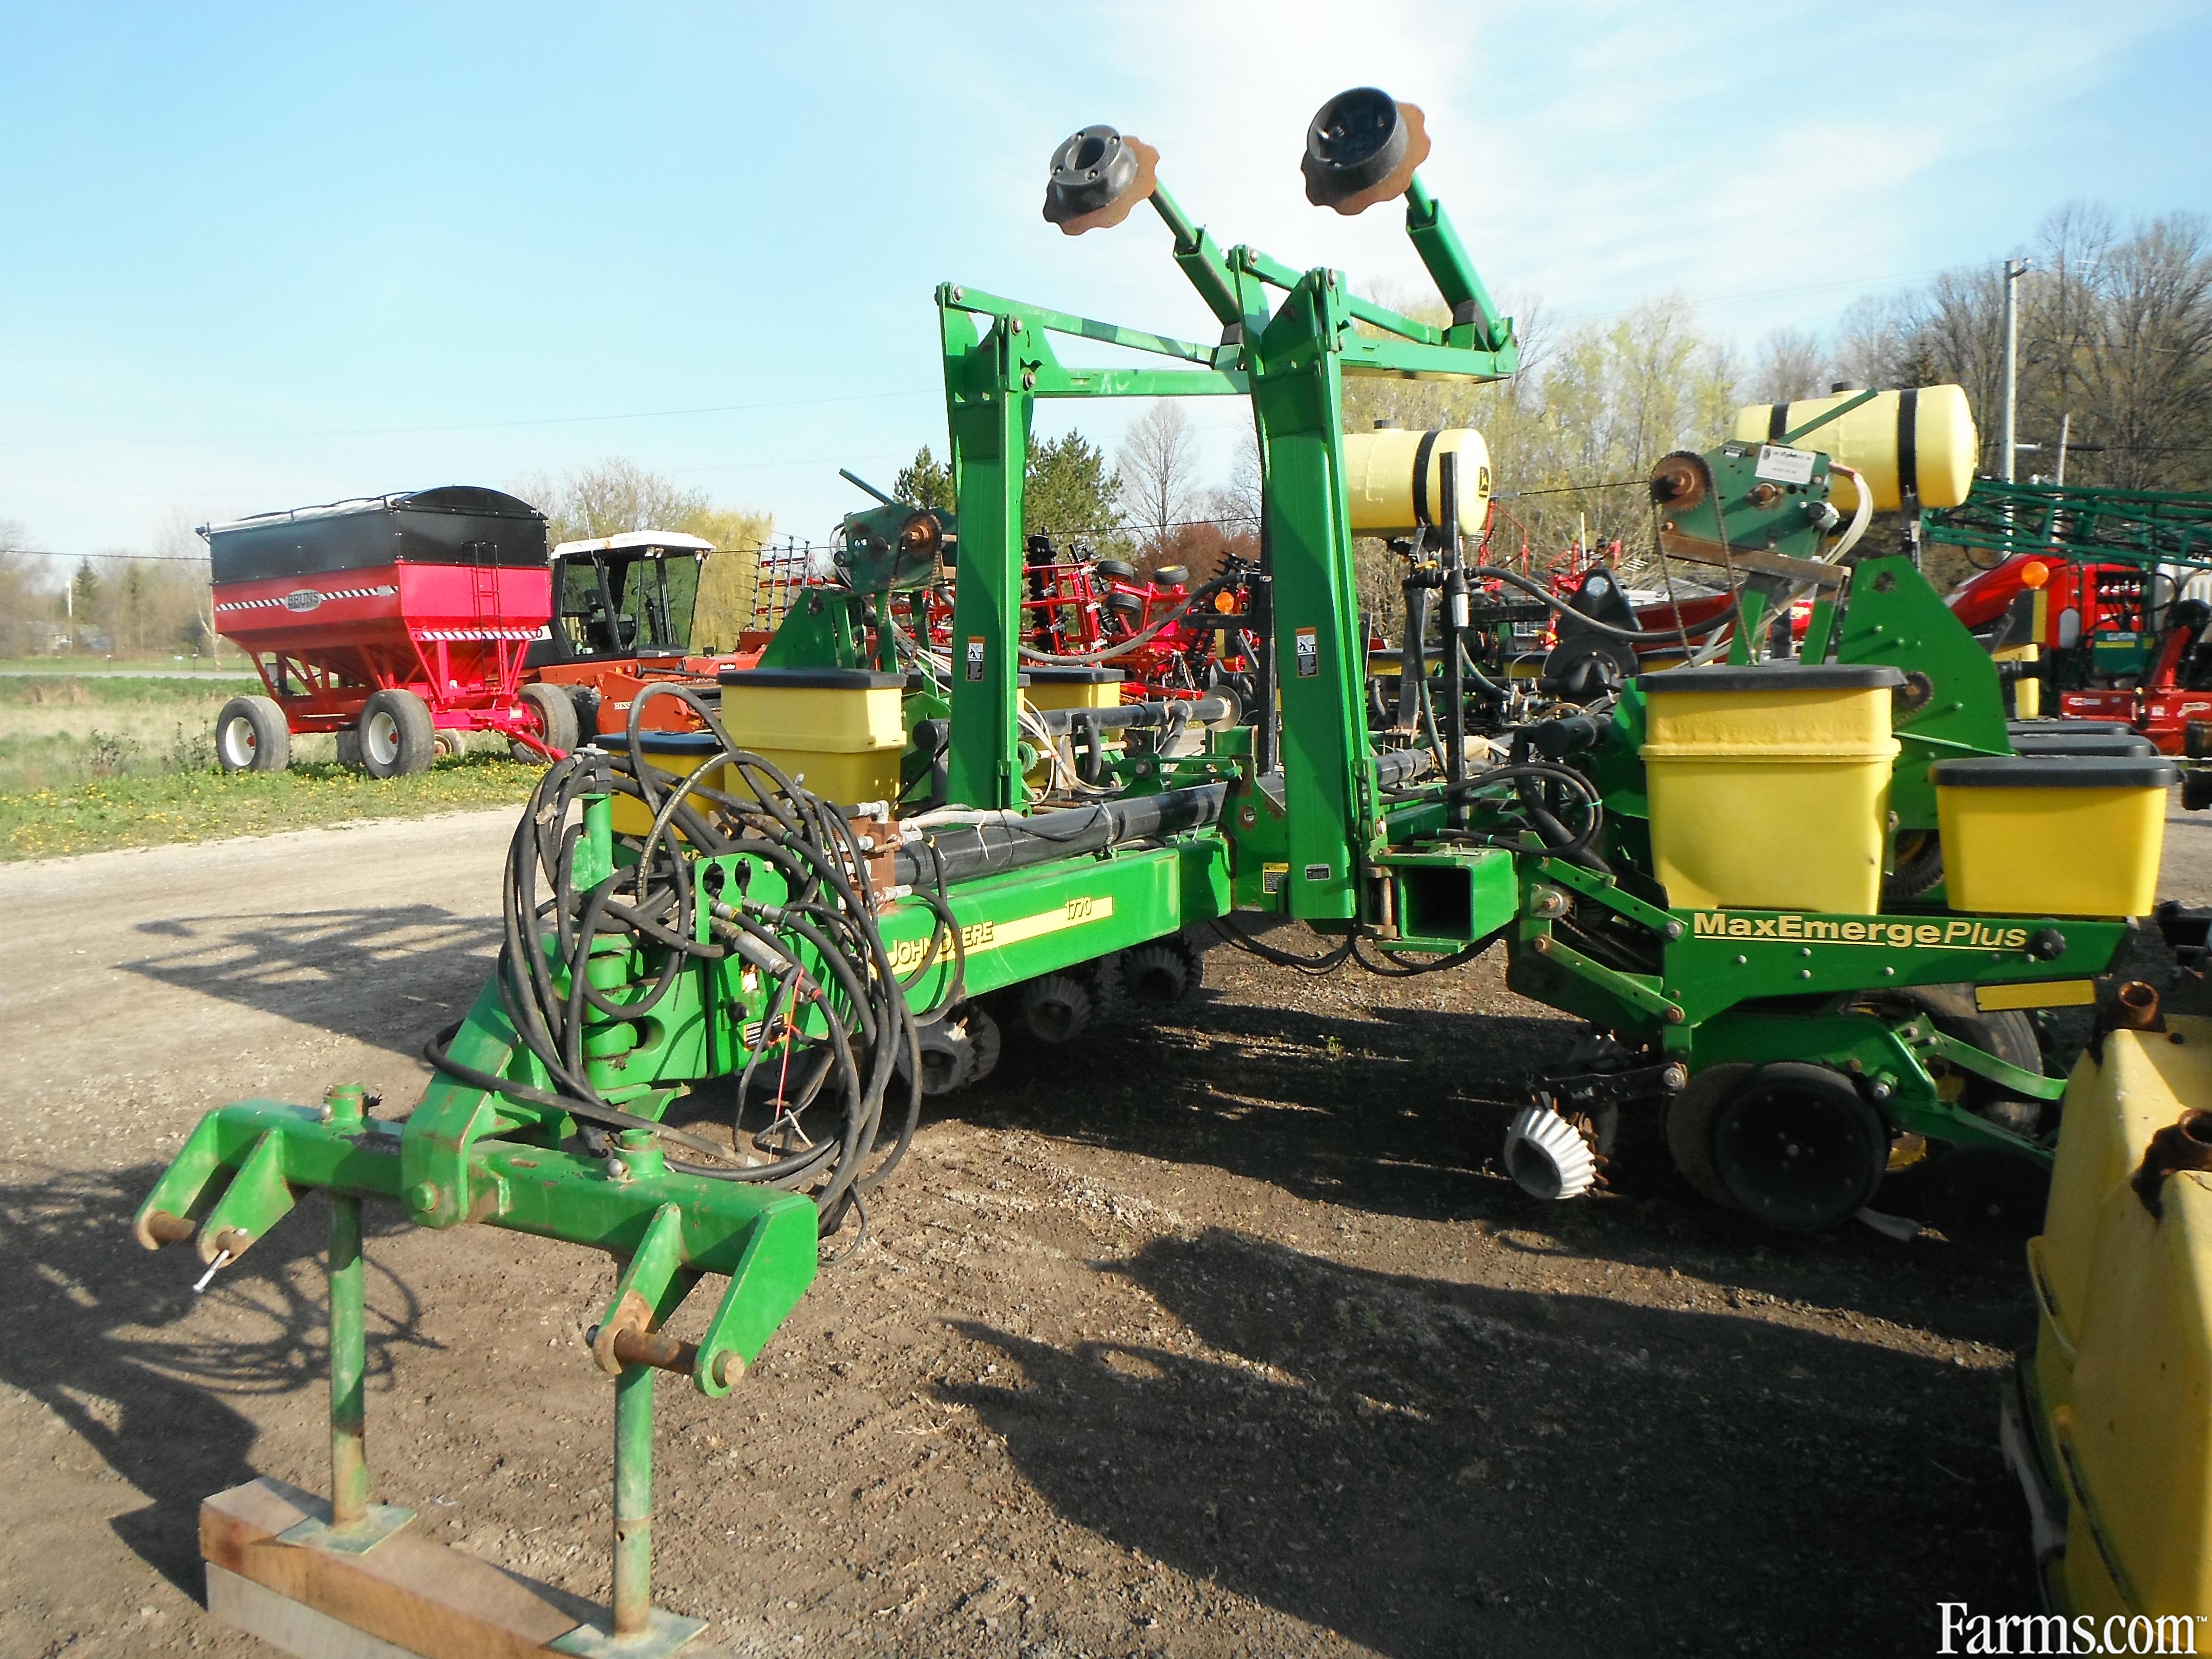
x=252, y=256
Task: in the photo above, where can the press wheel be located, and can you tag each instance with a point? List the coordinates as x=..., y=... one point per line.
x=1690, y=1128
x=1798, y=1147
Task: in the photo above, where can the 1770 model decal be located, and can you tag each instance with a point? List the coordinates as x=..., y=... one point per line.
x=1963, y=933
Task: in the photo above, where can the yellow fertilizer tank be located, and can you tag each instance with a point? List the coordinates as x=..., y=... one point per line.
x=2052, y=835
x=1389, y=471
x=1769, y=786
x=1923, y=438
x=838, y=730
x=2109, y=1429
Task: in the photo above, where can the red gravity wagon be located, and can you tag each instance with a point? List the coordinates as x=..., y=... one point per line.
x=396, y=621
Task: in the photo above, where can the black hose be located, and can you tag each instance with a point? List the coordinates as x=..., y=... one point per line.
x=1582, y=619
x=1328, y=962
x=1539, y=813
x=836, y=1081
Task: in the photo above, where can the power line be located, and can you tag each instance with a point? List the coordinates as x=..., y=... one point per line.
x=846, y=457
x=31, y=439
x=133, y=558
x=1568, y=490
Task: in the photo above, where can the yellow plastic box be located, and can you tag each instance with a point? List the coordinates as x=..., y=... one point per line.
x=1074, y=687
x=675, y=753
x=1769, y=786
x=839, y=731
x=2058, y=835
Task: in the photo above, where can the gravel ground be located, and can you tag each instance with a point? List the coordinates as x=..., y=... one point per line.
x=1219, y=1337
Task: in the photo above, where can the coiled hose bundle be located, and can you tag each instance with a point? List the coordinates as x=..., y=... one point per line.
x=836, y=1028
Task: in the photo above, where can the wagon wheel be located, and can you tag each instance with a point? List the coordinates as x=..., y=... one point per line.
x=397, y=735
x=251, y=735
x=553, y=712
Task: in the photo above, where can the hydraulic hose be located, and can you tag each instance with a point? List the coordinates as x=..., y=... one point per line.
x=839, y=1034
x=991, y=843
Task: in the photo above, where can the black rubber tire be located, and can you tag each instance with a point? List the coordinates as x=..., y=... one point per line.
x=1114, y=570
x=2196, y=790
x=1983, y=1195
x=1799, y=1148
x=398, y=736
x=1170, y=575
x=349, y=742
x=252, y=735
x=1690, y=1117
x=1919, y=866
x=586, y=700
x=1128, y=603
x=556, y=714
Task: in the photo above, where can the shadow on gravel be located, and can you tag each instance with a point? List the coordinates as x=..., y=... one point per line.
x=1398, y=1112
x=330, y=968
x=1436, y=1468
x=113, y=1342
x=1403, y=1112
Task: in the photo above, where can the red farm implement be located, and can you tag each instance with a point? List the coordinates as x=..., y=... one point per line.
x=2094, y=605
x=623, y=620
x=1106, y=611
x=396, y=622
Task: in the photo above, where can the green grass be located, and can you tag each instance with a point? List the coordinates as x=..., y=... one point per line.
x=95, y=761
x=149, y=808
x=232, y=667
x=109, y=690
x=60, y=731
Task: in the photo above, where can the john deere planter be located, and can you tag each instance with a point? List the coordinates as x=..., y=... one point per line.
x=876, y=855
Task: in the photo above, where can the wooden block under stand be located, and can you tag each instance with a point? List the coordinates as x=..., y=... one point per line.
x=408, y=1595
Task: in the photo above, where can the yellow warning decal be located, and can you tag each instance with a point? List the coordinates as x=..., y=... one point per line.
x=908, y=954
x=2043, y=993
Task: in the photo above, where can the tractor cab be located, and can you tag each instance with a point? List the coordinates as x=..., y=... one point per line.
x=620, y=597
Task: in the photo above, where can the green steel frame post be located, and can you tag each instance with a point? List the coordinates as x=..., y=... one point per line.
x=348, y=1108
x=1298, y=387
x=989, y=410
x=633, y=1596
x=356, y=1525
x=349, y=1366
